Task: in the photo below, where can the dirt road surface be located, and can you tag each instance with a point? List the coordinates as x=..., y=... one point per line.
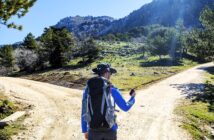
x=55, y=114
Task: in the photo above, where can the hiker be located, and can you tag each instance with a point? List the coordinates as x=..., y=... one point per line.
x=98, y=105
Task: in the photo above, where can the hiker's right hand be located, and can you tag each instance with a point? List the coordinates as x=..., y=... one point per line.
x=133, y=94
x=86, y=135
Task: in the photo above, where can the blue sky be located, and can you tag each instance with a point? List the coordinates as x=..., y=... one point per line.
x=48, y=12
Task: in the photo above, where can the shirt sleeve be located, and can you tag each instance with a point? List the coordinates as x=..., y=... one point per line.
x=83, y=123
x=119, y=100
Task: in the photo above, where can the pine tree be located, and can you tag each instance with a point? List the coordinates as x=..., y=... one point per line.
x=57, y=42
x=90, y=49
x=160, y=42
x=6, y=56
x=30, y=42
x=201, y=41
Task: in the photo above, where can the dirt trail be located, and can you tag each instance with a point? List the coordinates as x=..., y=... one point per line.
x=56, y=111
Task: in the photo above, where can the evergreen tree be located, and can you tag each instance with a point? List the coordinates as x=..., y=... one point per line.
x=162, y=42
x=90, y=50
x=57, y=43
x=6, y=56
x=9, y=8
x=30, y=42
x=181, y=37
x=201, y=41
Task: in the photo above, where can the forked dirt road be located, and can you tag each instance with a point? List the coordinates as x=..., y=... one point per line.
x=56, y=110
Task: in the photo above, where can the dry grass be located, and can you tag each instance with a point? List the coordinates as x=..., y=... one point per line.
x=130, y=73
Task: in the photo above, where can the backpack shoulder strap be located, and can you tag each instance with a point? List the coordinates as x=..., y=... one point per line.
x=85, y=104
x=89, y=104
x=107, y=96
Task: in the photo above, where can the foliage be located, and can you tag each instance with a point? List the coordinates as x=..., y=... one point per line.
x=43, y=60
x=136, y=32
x=8, y=131
x=197, y=116
x=162, y=42
x=6, y=108
x=57, y=43
x=30, y=42
x=198, y=113
x=115, y=37
x=163, y=12
x=10, y=8
x=130, y=73
x=201, y=41
x=6, y=56
x=26, y=59
x=207, y=18
x=89, y=51
x=159, y=40
x=182, y=34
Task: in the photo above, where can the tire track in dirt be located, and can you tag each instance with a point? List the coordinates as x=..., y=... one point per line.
x=56, y=111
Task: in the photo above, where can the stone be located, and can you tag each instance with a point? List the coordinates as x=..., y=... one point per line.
x=12, y=118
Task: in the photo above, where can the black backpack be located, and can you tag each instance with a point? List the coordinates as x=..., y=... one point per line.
x=98, y=109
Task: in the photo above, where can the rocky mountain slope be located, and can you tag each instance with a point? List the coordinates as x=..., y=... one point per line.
x=163, y=12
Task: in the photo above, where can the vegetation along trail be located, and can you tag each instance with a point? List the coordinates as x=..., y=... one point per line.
x=56, y=110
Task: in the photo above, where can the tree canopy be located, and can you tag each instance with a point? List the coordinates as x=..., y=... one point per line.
x=161, y=42
x=57, y=42
x=30, y=42
x=9, y=8
x=6, y=56
x=201, y=41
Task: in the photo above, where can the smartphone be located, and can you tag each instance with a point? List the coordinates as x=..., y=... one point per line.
x=131, y=92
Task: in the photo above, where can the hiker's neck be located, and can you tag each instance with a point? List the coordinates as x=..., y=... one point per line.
x=106, y=76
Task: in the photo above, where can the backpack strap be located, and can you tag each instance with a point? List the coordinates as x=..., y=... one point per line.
x=103, y=104
x=86, y=114
x=89, y=104
x=106, y=98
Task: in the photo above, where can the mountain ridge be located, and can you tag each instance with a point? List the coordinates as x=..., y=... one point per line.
x=85, y=26
x=163, y=12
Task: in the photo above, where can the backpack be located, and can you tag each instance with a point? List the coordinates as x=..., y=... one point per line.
x=98, y=107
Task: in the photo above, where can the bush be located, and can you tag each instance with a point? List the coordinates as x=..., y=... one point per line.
x=6, y=108
x=26, y=59
x=7, y=56
x=4, y=135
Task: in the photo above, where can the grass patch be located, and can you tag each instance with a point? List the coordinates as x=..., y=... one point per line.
x=6, y=109
x=197, y=119
x=130, y=73
x=134, y=69
x=198, y=113
x=8, y=131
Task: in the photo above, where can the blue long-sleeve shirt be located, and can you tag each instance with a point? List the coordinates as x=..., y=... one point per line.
x=120, y=102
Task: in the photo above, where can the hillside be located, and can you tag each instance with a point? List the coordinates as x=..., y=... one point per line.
x=85, y=26
x=163, y=12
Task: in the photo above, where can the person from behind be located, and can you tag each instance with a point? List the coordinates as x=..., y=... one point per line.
x=98, y=118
